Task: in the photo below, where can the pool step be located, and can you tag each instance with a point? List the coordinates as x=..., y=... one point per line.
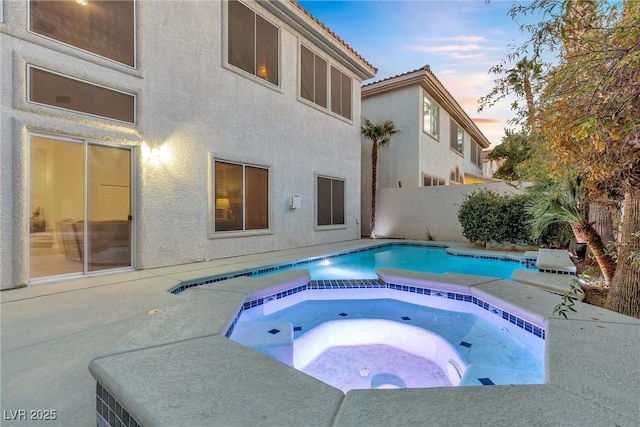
x=270, y=338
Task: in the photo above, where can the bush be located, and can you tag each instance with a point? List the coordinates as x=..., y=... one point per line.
x=486, y=217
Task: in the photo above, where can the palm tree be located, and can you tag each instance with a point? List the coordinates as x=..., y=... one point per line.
x=379, y=134
x=565, y=202
x=523, y=79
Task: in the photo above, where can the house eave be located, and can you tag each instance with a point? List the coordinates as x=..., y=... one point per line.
x=310, y=28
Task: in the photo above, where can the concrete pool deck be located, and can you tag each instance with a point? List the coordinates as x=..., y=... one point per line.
x=50, y=333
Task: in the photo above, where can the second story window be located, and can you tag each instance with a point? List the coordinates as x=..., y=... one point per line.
x=252, y=43
x=431, y=116
x=476, y=154
x=313, y=77
x=457, y=137
x=102, y=27
x=340, y=93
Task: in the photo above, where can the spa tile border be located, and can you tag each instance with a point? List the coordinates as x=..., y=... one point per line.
x=369, y=284
x=109, y=412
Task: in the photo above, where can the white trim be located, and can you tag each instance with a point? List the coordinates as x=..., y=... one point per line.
x=212, y=233
x=135, y=38
x=85, y=142
x=225, y=49
x=29, y=101
x=317, y=227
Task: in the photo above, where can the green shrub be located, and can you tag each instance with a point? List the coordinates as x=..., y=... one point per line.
x=486, y=216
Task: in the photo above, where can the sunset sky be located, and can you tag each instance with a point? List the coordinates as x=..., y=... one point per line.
x=459, y=40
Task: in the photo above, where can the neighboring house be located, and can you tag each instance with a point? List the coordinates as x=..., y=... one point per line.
x=139, y=134
x=436, y=144
x=489, y=167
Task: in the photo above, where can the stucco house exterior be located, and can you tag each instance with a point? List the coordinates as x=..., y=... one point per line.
x=138, y=134
x=437, y=143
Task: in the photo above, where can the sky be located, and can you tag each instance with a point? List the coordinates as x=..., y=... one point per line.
x=459, y=39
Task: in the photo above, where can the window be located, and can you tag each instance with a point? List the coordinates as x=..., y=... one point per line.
x=103, y=27
x=330, y=201
x=476, y=154
x=431, y=181
x=241, y=197
x=431, y=122
x=64, y=92
x=455, y=177
x=313, y=77
x=340, y=93
x=457, y=137
x=253, y=43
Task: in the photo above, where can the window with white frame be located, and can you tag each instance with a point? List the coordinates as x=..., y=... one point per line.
x=431, y=117
x=102, y=27
x=252, y=43
x=56, y=90
x=457, y=137
x=476, y=154
x=241, y=197
x=313, y=77
x=340, y=93
x=329, y=201
x=431, y=181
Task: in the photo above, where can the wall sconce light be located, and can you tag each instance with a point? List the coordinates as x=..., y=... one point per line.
x=155, y=155
x=294, y=201
x=83, y=2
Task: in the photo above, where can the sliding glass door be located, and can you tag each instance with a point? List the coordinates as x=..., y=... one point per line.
x=80, y=204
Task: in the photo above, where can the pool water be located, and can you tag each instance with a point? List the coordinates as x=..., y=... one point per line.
x=362, y=265
x=387, y=343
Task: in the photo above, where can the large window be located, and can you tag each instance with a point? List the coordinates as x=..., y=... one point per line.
x=71, y=94
x=253, y=43
x=476, y=154
x=80, y=204
x=340, y=93
x=457, y=137
x=330, y=201
x=431, y=122
x=313, y=77
x=103, y=27
x=241, y=197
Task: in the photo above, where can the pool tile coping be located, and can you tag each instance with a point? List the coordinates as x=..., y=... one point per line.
x=530, y=327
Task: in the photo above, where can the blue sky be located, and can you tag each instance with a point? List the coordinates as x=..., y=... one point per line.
x=459, y=39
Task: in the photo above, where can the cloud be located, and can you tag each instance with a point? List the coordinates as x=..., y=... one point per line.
x=463, y=39
x=446, y=48
x=456, y=55
x=486, y=121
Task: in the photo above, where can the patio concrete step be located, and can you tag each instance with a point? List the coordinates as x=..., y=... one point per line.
x=555, y=261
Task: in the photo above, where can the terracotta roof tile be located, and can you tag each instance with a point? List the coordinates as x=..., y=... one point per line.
x=332, y=34
x=425, y=68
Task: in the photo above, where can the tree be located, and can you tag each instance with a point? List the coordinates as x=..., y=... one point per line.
x=588, y=114
x=515, y=149
x=523, y=81
x=565, y=202
x=379, y=134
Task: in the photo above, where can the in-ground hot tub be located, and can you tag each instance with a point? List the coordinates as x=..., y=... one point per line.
x=180, y=367
x=374, y=334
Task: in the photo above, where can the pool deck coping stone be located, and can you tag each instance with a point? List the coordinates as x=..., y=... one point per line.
x=584, y=387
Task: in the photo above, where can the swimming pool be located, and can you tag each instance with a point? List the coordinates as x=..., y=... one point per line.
x=427, y=259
